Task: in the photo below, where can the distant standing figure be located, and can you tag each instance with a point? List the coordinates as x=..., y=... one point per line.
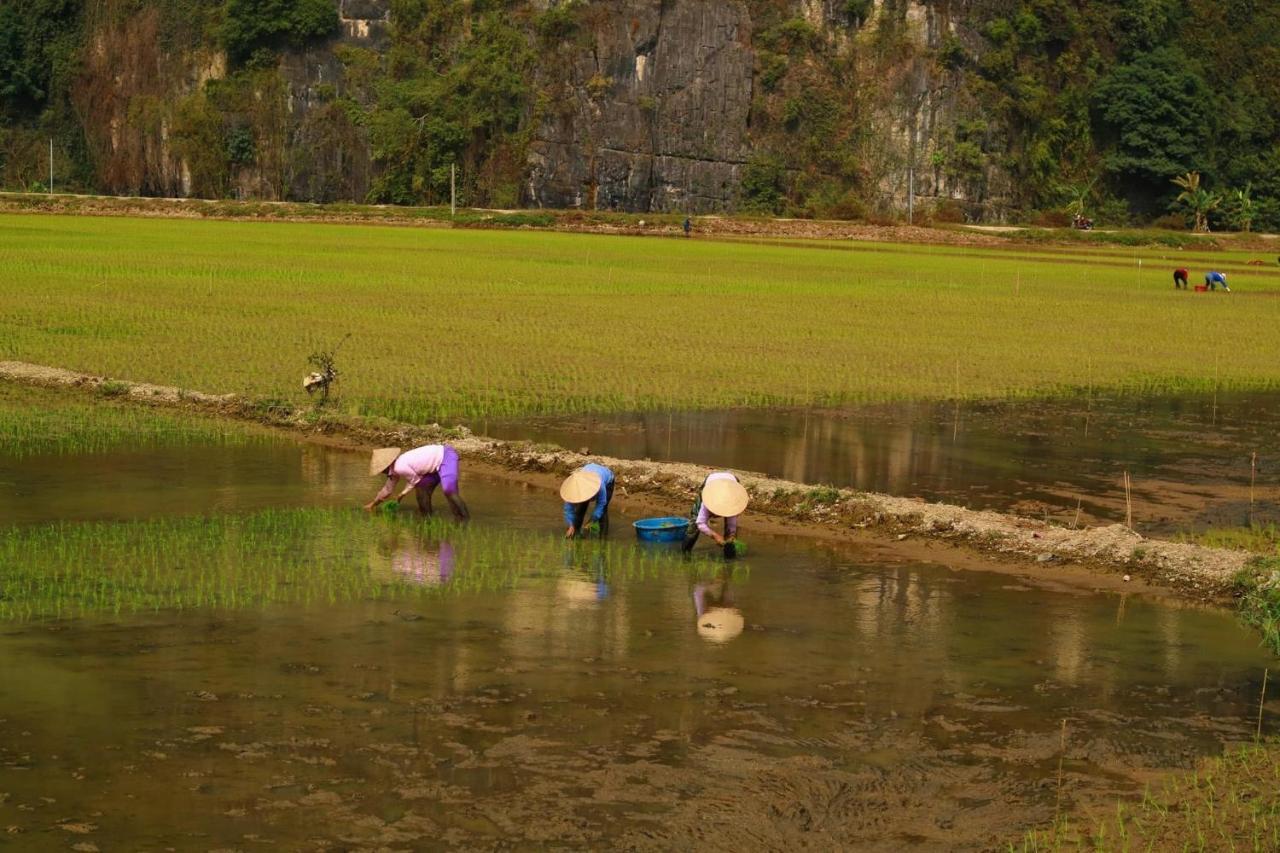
x=722, y=496
x=589, y=483
x=1180, y=277
x=688, y=226
x=423, y=469
x=1213, y=279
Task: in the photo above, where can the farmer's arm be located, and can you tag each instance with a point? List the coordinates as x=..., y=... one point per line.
x=704, y=525
x=385, y=492
x=731, y=528
x=569, y=512
x=602, y=502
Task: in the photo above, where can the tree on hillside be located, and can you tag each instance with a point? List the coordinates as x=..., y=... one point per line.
x=1152, y=115
x=1197, y=199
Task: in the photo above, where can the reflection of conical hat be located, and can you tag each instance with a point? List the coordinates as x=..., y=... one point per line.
x=580, y=486
x=725, y=498
x=720, y=624
x=382, y=457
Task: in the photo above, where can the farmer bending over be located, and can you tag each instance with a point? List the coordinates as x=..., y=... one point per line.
x=1213, y=279
x=722, y=496
x=422, y=468
x=1180, y=278
x=589, y=483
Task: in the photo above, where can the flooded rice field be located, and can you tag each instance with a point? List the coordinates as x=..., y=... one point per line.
x=1190, y=458
x=215, y=649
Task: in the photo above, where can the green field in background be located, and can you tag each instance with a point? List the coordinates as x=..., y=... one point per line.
x=458, y=323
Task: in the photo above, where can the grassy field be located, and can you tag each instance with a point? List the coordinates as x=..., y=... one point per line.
x=455, y=323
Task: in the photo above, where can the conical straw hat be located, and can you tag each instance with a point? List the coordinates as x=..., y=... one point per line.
x=720, y=624
x=580, y=486
x=382, y=457
x=725, y=498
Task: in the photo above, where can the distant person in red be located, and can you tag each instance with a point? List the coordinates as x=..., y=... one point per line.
x=1180, y=278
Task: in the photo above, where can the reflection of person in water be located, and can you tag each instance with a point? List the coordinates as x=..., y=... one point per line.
x=718, y=621
x=410, y=559
x=423, y=566
x=573, y=562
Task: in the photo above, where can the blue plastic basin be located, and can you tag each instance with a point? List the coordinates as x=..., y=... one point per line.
x=669, y=529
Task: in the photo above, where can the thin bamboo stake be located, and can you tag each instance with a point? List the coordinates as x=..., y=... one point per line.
x=1128, y=501
x=1253, y=476
x=1062, y=754
x=1262, y=700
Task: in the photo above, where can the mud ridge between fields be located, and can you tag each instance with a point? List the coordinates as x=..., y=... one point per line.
x=1195, y=571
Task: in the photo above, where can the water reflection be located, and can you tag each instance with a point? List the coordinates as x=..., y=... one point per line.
x=1189, y=457
x=717, y=618
x=404, y=556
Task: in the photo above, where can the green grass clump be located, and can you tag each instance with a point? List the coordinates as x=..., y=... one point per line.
x=472, y=324
x=1258, y=592
x=39, y=421
x=1257, y=538
x=286, y=557
x=1230, y=803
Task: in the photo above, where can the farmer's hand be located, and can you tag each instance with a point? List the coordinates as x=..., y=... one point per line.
x=370, y=506
x=716, y=536
x=568, y=534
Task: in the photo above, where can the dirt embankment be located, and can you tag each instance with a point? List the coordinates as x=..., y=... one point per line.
x=590, y=222
x=1045, y=549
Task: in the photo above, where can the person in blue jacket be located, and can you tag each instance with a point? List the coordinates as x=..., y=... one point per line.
x=589, y=483
x=1213, y=279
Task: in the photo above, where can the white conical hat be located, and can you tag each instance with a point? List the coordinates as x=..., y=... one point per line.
x=580, y=486
x=720, y=624
x=725, y=498
x=382, y=457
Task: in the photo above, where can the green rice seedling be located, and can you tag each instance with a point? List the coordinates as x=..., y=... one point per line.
x=47, y=421
x=813, y=323
x=284, y=557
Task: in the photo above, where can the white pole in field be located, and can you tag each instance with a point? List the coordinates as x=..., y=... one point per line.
x=911, y=193
x=453, y=189
x=50, y=165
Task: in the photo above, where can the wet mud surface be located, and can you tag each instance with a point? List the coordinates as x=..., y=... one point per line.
x=809, y=695
x=1190, y=458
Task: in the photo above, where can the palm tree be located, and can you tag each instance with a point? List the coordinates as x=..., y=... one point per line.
x=1200, y=201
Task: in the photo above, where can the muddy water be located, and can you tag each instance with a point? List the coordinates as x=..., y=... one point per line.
x=806, y=695
x=1190, y=458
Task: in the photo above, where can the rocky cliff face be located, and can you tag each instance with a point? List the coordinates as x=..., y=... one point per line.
x=653, y=115
x=656, y=105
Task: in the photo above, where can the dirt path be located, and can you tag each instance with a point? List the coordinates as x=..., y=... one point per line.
x=1032, y=547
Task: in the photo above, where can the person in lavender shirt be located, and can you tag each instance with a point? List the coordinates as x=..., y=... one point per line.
x=722, y=496
x=422, y=469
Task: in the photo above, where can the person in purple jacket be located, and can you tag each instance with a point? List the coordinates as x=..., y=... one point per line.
x=722, y=496
x=422, y=469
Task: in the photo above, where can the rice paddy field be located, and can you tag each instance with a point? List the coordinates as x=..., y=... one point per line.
x=205, y=644
x=465, y=324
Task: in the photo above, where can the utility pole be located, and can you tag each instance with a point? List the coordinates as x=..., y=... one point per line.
x=51, y=165
x=453, y=189
x=911, y=189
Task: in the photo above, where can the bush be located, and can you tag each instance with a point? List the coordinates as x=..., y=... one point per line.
x=1051, y=219
x=762, y=189
x=1171, y=222
x=252, y=26
x=947, y=210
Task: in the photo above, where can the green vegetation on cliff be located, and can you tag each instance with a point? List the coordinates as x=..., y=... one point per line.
x=1010, y=107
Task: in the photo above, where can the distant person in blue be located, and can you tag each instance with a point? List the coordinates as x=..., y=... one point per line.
x=1213, y=279
x=589, y=483
x=688, y=226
